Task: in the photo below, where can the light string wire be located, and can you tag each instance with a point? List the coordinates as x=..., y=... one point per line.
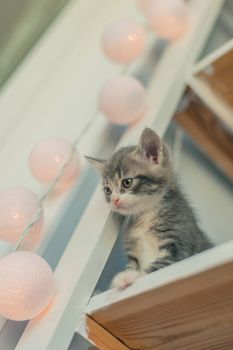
x=36, y=217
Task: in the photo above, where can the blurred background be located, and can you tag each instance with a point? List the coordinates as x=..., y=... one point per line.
x=21, y=25
x=23, y=22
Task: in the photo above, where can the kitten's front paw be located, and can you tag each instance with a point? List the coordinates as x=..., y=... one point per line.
x=125, y=279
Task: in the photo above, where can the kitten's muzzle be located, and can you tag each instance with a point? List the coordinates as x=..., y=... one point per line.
x=116, y=202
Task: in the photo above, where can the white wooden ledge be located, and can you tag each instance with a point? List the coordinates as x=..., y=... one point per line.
x=192, y=266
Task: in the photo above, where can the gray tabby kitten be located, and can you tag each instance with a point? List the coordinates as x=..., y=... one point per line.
x=139, y=182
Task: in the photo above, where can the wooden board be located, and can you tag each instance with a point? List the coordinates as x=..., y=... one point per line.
x=102, y=338
x=208, y=116
x=219, y=76
x=211, y=80
x=192, y=313
x=206, y=129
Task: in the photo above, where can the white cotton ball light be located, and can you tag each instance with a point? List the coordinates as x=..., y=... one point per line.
x=123, y=41
x=168, y=18
x=47, y=158
x=27, y=285
x=123, y=100
x=18, y=205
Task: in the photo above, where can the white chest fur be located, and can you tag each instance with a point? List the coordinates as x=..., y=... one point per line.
x=146, y=242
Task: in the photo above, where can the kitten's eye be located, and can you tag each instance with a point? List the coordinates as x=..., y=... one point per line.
x=107, y=191
x=127, y=183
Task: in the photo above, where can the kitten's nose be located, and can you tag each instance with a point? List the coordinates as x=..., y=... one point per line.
x=116, y=201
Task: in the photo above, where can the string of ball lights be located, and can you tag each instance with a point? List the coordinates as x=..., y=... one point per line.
x=27, y=284
x=55, y=181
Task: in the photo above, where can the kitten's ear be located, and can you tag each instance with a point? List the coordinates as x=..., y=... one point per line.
x=151, y=144
x=98, y=163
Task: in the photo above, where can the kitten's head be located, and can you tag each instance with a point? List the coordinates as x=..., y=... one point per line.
x=135, y=177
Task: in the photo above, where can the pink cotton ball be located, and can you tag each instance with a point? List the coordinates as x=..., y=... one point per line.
x=168, y=18
x=17, y=208
x=27, y=285
x=123, y=41
x=123, y=100
x=47, y=158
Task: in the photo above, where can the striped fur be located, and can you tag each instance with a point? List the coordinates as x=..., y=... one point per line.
x=162, y=226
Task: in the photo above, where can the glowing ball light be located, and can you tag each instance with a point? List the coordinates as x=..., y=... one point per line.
x=27, y=285
x=47, y=158
x=168, y=18
x=123, y=41
x=17, y=208
x=123, y=100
